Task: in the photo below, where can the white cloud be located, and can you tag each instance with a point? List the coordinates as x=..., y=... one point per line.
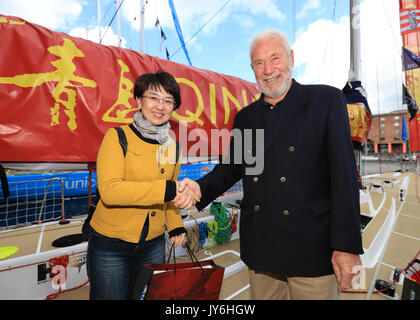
x=109, y=37
x=245, y=21
x=206, y=18
x=194, y=14
x=52, y=14
x=268, y=8
x=197, y=46
x=241, y=55
x=381, y=49
x=322, y=53
x=308, y=6
x=58, y=14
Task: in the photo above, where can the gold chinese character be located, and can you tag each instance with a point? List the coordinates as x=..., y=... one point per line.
x=5, y=20
x=63, y=92
x=115, y=113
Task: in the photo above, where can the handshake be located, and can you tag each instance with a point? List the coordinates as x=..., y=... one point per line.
x=188, y=193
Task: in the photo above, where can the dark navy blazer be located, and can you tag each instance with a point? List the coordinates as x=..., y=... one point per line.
x=305, y=203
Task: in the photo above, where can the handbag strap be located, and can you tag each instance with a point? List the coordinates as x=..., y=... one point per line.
x=192, y=255
x=169, y=257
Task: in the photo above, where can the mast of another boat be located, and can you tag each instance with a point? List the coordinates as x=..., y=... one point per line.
x=355, y=61
x=142, y=8
x=355, y=64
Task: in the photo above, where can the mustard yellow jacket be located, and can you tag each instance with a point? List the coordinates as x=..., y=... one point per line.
x=133, y=187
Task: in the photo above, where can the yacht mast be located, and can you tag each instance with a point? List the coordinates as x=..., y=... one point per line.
x=142, y=7
x=354, y=80
x=355, y=64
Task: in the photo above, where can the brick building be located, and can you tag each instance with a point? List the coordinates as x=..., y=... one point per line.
x=386, y=131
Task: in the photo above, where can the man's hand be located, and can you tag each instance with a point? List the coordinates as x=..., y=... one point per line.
x=346, y=267
x=184, y=199
x=193, y=186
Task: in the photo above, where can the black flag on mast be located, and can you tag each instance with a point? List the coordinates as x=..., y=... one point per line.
x=410, y=60
x=162, y=38
x=410, y=102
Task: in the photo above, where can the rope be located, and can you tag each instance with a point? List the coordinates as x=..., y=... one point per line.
x=196, y=236
x=222, y=226
x=193, y=237
x=326, y=44
x=211, y=227
x=36, y=263
x=417, y=174
x=188, y=40
x=113, y=17
x=379, y=116
x=203, y=233
x=219, y=213
x=396, y=47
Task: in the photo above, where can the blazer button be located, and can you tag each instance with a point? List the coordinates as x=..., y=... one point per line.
x=283, y=179
x=286, y=212
x=255, y=179
x=162, y=170
x=257, y=208
x=153, y=213
x=291, y=149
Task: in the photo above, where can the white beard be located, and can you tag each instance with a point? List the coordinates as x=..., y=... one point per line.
x=280, y=91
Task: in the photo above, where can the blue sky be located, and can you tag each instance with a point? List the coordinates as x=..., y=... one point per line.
x=318, y=31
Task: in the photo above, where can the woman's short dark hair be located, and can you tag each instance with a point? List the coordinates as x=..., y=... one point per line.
x=155, y=81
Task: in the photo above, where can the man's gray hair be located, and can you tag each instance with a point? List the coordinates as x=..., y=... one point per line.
x=266, y=33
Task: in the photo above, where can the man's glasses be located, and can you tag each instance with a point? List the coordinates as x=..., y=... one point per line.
x=156, y=100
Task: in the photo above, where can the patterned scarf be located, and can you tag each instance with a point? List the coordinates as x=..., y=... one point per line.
x=150, y=131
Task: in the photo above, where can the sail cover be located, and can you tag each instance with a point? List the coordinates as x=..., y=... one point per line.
x=360, y=116
x=59, y=94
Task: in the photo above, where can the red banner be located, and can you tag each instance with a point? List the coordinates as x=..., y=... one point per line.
x=411, y=42
x=59, y=94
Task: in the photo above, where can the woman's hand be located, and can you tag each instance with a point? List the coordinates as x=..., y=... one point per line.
x=178, y=240
x=184, y=199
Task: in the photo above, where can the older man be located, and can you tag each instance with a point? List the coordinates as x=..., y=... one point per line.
x=300, y=218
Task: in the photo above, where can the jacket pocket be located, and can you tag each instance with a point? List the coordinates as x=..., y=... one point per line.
x=320, y=207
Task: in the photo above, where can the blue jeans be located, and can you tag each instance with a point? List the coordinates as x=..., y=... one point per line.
x=113, y=264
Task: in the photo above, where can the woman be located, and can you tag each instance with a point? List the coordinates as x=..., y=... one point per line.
x=137, y=191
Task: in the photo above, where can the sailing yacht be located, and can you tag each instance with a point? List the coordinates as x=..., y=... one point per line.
x=390, y=201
